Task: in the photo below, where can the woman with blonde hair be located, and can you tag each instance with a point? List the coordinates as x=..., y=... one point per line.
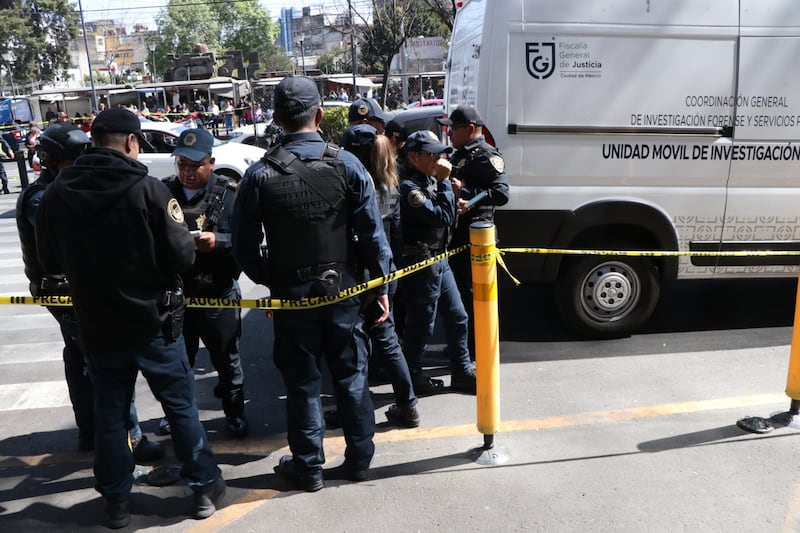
x=376, y=153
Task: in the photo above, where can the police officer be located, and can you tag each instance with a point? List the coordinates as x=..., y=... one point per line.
x=367, y=111
x=207, y=202
x=316, y=205
x=427, y=214
x=377, y=154
x=119, y=236
x=58, y=147
x=478, y=169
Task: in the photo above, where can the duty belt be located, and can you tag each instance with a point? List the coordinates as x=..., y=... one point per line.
x=320, y=271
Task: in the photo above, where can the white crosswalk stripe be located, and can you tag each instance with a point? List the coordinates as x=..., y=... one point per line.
x=30, y=342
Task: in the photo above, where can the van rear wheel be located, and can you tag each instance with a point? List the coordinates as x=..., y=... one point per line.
x=604, y=297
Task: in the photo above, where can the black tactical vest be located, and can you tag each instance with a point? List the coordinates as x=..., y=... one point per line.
x=306, y=218
x=27, y=236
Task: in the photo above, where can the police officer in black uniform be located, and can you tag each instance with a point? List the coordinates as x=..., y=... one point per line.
x=478, y=171
x=58, y=147
x=367, y=111
x=316, y=205
x=207, y=202
x=427, y=214
x=118, y=235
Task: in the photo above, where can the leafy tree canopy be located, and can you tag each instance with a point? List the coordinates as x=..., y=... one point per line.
x=34, y=39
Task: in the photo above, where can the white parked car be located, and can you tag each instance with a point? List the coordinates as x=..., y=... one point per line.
x=247, y=134
x=232, y=159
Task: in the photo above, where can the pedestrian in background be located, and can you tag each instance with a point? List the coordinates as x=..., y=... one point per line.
x=311, y=199
x=478, y=172
x=207, y=200
x=9, y=153
x=119, y=236
x=427, y=215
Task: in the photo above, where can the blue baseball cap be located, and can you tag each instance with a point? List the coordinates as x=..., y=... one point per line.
x=295, y=94
x=194, y=144
x=365, y=108
x=358, y=137
x=425, y=141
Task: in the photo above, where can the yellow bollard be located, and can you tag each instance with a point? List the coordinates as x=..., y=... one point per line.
x=483, y=260
x=790, y=418
x=793, y=378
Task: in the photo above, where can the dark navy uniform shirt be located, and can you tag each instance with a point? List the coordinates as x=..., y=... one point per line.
x=372, y=247
x=427, y=209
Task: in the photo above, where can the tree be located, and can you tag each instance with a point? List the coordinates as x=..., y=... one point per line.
x=393, y=21
x=223, y=26
x=334, y=60
x=35, y=36
x=444, y=11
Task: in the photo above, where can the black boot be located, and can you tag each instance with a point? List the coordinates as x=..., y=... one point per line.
x=235, y=419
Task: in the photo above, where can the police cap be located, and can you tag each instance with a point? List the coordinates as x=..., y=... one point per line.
x=295, y=94
x=366, y=108
x=426, y=141
x=194, y=144
x=464, y=114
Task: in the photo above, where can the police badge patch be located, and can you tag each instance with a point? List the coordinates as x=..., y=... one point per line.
x=174, y=211
x=416, y=198
x=363, y=110
x=190, y=139
x=497, y=163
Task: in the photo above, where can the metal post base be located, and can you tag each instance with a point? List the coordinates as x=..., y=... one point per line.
x=488, y=454
x=788, y=419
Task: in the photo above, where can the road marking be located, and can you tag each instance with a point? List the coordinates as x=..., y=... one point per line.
x=253, y=499
x=334, y=445
x=35, y=352
x=39, y=395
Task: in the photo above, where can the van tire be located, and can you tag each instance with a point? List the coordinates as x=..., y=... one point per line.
x=594, y=312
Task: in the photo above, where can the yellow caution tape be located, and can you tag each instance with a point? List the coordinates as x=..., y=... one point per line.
x=320, y=301
x=261, y=303
x=651, y=253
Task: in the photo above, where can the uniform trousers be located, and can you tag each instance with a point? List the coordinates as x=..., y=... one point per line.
x=79, y=379
x=462, y=273
x=387, y=354
x=426, y=291
x=167, y=371
x=303, y=339
x=220, y=330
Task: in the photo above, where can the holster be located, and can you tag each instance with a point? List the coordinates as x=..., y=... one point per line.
x=414, y=253
x=174, y=303
x=325, y=280
x=56, y=285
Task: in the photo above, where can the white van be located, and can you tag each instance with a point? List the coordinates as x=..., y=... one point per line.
x=637, y=125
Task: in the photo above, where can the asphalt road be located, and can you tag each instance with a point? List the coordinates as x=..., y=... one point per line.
x=628, y=435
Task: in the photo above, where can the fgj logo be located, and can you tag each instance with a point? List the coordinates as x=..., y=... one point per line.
x=540, y=59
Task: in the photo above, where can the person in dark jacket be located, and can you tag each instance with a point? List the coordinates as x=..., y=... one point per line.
x=120, y=238
x=207, y=202
x=58, y=147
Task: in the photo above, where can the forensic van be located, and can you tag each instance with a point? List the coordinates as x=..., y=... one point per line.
x=637, y=125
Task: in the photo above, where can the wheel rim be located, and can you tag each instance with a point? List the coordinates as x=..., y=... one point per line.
x=610, y=291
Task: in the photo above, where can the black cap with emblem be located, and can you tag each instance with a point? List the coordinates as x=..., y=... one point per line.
x=462, y=115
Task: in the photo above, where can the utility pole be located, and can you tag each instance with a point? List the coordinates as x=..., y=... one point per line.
x=352, y=44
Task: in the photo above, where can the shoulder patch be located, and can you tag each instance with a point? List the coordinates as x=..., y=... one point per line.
x=416, y=198
x=174, y=211
x=497, y=163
